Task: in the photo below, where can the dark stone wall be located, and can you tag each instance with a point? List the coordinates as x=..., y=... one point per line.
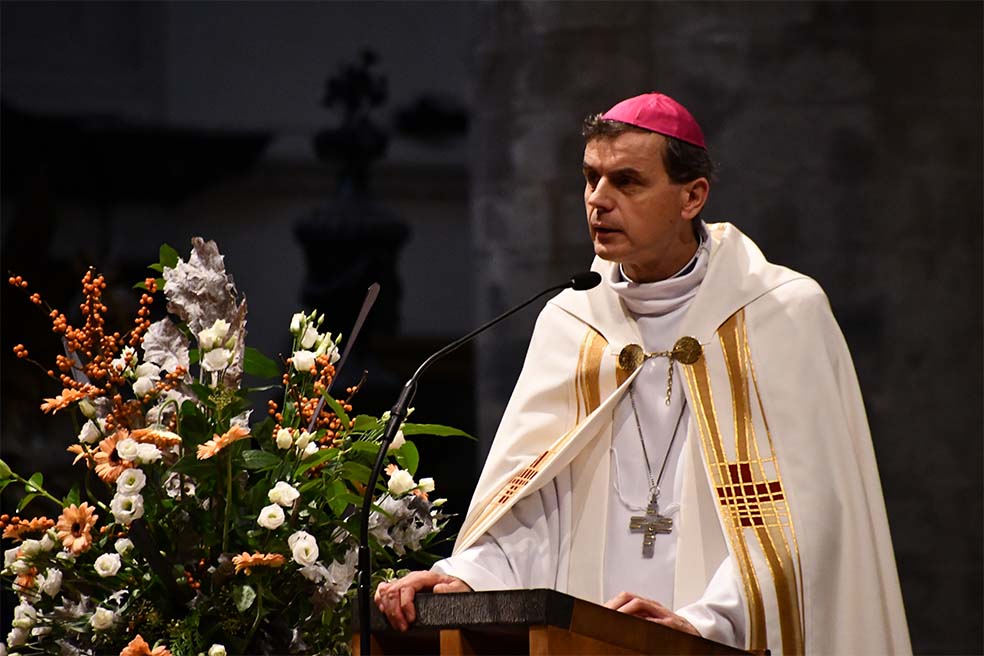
x=849, y=141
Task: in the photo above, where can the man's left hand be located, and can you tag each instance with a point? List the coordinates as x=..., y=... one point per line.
x=633, y=604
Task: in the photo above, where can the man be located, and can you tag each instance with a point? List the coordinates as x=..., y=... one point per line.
x=687, y=440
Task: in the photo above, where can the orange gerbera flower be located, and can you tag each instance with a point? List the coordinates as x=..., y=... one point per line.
x=75, y=525
x=139, y=647
x=17, y=530
x=62, y=401
x=157, y=436
x=216, y=444
x=80, y=453
x=245, y=562
x=25, y=582
x=109, y=464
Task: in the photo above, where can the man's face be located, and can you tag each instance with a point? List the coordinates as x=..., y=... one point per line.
x=636, y=215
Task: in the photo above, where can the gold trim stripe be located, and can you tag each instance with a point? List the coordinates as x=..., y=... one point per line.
x=698, y=380
x=770, y=535
x=588, y=383
x=797, y=591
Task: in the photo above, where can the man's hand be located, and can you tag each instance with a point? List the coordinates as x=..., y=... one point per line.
x=632, y=604
x=395, y=599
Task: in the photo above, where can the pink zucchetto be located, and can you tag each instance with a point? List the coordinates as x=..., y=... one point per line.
x=658, y=113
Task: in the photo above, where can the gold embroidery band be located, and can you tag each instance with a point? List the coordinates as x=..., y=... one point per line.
x=756, y=503
x=587, y=381
x=698, y=380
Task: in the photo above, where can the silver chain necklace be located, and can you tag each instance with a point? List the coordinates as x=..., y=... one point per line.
x=652, y=522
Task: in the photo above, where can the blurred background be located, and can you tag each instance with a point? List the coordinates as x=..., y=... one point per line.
x=434, y=147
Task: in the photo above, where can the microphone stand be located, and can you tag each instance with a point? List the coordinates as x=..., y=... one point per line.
x=398, y=413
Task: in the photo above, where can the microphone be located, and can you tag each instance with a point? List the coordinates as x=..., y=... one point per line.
x=579, y=282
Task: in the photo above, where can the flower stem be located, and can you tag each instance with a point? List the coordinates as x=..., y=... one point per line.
x=228, y=504
x=35, y=488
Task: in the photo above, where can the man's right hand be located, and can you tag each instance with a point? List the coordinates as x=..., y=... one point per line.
x=395, y=598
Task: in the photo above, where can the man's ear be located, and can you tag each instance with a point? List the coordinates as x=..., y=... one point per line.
x=694, y=196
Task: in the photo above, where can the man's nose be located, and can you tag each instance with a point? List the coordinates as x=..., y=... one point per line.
x=600, y=197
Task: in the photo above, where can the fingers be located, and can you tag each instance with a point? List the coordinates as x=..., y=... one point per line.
x=640, y=607
x=395, y=598
x=453, y=585
x=619, y=600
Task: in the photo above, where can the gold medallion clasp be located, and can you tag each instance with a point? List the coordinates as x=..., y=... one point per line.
x=687, y=350
x=631, y=357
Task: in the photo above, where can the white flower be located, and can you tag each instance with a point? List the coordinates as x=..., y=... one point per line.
x=48, y=543
x=315, y=573
x=24, y=616
x=303, y=440
x=17, y=637
x=90, y=433
x=310, y=450
x=9, y=556
x=123, y=546
x=398, y=441
x=127, y=508
x=102, y=619
x=217, y=650
x=309, y=337
x=88, y=408
x=217, y=359
x=127, y=449
x=212, y=337
x=283, y=494
x=426, y=485
x=107, y=564
x=143, y=386
x=271, y=516
x=284, y=438
x=51, y=584
x=296, y=322
x=172, y=486
x=131, y=481
x=20, y=567
x=400, y=482
x=303, y=360
x=303, y=548
x=147, y=370
x=148, y=453
x=126, y=360
x=31, y=548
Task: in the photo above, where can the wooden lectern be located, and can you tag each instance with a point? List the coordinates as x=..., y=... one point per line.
x=540, y=622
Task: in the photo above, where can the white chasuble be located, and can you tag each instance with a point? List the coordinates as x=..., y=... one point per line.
x=781, y=521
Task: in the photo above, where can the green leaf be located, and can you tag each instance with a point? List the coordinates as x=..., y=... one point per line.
x=73, y=497
x=26, y=500
x=338, y=410
x=355, y=472
x=434, y=429
x=168, y=256
x=156, y=266
x=408, y=457
x=257, y=364
x=365, y=446
x=4, y=483
x=336, y=500
x=258, y=460
x=323, y=455
x=364, y=423
x=194, y=356
x=35, y=483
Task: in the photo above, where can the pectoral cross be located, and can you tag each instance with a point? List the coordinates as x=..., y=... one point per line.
x=650, y=524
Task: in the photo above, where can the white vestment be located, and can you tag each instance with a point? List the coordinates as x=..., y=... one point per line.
x=778, y=489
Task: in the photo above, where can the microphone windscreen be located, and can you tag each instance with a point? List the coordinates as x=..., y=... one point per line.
x=585, y=280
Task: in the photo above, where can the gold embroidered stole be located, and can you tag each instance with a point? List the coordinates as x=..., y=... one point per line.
x=747, y=485
x=587, y=397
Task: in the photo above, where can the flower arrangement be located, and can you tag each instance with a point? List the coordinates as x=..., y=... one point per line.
x=191, y=529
